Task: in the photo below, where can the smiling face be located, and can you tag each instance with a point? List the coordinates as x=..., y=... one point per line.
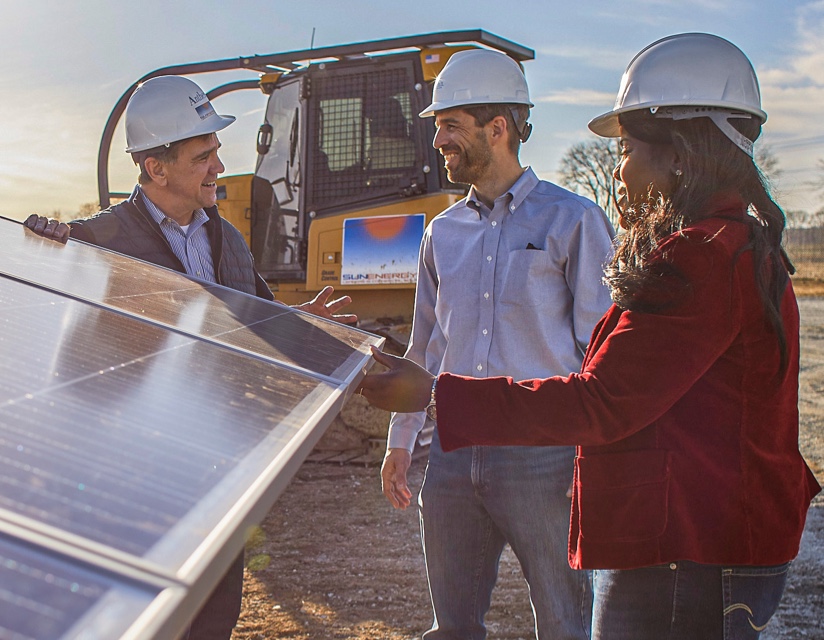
x=645, y=172
x=186, y=183
x=463, y=144
x=192, y=176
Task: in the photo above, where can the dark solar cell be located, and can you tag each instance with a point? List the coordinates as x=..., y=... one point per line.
x=44, y=596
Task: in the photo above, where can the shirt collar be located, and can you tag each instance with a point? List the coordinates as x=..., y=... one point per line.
x=158, y=216
x=517, y=193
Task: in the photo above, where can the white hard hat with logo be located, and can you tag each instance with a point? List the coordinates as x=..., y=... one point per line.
x=689, y=75
x=478, y=76
x=167, y=109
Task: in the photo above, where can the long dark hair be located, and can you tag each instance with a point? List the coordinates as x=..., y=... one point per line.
x=711, y=164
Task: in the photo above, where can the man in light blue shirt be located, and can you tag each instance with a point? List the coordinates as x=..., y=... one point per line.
x=509, y=283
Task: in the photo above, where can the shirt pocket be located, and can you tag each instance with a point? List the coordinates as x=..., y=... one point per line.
x=526, y=278
x=624, y=496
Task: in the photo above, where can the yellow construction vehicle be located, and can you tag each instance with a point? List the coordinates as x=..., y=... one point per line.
x=346, y=177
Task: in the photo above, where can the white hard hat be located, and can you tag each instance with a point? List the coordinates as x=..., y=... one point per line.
x=689, y=75
x=478, y=76
x=166, y=109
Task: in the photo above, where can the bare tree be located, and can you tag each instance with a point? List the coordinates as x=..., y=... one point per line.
x=767, y=161
x=587, y=167
x=802, y=219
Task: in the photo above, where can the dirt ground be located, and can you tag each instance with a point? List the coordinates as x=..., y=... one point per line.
x=334, y=560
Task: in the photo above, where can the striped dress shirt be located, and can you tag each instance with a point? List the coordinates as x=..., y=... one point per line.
x=190, y=244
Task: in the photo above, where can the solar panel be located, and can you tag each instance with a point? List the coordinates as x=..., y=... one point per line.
x=145, y=420
x=176, y=301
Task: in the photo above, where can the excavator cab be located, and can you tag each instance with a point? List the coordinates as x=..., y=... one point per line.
x=336, y=137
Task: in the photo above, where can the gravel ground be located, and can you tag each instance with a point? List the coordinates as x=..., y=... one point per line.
x=334, y=560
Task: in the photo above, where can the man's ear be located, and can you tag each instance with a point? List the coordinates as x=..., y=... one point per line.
x=498, y=129
x=156, y=170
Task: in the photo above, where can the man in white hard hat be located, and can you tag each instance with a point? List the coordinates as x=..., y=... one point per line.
x=171, y=220
x=509, y=283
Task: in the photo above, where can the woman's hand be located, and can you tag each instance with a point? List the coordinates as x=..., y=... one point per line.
x=405, y=388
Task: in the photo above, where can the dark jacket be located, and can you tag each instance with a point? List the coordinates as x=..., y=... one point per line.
x=128, y=228
x=687, y=439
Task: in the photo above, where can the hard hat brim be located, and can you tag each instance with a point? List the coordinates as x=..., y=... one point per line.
x=607, y=126
x=433, y=108
x=213, y=124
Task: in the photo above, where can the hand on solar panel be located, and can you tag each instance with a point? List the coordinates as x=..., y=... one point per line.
x=319, y=306
x=405, y=387
x=48, y=228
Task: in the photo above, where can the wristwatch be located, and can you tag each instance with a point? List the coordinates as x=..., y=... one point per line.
x=431, y=408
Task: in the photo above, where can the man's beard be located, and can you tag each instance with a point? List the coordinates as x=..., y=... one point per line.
x=472, y=161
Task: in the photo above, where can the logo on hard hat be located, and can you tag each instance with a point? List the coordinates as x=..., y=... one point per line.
x=205, y=110
x=198, y=97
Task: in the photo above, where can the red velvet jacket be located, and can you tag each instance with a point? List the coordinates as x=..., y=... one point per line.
x=687, y=441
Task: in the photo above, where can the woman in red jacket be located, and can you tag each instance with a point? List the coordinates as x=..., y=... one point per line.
x=689, y=492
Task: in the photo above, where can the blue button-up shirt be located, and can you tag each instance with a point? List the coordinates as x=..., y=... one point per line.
x=191, y=244
x=512, y=291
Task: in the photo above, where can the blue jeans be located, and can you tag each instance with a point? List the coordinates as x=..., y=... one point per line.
x=475, y=500
x=686, y=601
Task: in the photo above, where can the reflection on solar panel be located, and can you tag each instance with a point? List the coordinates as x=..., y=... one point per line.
x=145, y=420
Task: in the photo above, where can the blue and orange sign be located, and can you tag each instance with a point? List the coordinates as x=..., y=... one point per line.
x=381, y=249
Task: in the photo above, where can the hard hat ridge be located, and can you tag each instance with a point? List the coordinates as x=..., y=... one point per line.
x=168, y=109
x=478, y=76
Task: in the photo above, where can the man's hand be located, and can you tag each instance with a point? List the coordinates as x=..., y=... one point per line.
x=393, y=477
x=319, y=306
x=47, y=228
x=405, y=388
